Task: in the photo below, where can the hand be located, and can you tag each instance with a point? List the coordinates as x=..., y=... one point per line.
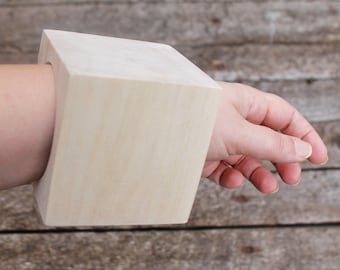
x=252, y=126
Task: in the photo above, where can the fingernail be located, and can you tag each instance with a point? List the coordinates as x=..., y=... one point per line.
x=303, y=149
x=276, y=190
x=298, y=182
x=323, y=163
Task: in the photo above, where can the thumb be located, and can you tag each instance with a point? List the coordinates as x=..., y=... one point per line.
x=264, y=143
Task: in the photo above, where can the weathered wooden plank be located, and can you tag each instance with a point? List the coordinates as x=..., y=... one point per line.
x=267, y=62
x=16, y=209
x=108, y=2
x=266, y=249
x=314, y=200
x=18, y=58
x=317, y=100
x=246, y=62
x=176, y=23
x=330, y=133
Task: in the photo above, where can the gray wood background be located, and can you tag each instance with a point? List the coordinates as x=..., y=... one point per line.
x=291, y=48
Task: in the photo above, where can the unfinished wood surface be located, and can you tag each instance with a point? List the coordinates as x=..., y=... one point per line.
x=174, y=22
x=265, y=249
x=314, y=200
x=127, y=149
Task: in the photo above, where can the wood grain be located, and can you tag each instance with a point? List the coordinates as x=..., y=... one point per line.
x=123, y=117
x=248, y=62
x=316, y=100
x=266, y=249
x=314, y=200
x=330, y=133
x=173, y=22
x=288, y=47
x=267, y=62
x=18, y=58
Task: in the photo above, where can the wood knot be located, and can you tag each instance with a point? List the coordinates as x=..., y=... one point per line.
x=250, y=249
x=333, y=11
x=241, y=198
x=310, y=81
x=217, y=65
x=215, y=20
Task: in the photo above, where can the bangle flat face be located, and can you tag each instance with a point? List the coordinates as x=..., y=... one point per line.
x=133, y=126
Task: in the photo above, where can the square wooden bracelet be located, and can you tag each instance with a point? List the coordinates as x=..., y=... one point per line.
x=133, y=126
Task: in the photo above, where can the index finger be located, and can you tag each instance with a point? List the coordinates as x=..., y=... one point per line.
x=274, y=112
x=282, y=116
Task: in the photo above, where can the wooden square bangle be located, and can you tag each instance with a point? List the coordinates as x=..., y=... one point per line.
x=132, y=130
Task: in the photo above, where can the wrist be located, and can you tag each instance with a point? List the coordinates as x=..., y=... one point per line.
x=28, y=106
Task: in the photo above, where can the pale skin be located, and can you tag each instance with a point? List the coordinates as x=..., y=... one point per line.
x=251, y=126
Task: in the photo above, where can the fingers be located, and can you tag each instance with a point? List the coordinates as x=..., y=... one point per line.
x=231, y=176
x=277, y=114
x=257, y=174
x=290, y=173
x=261, y=177
x=319, y=155
x=280, y=115
x=284, y=117
x=226, y=176
x=264, y=143
x=262, y=126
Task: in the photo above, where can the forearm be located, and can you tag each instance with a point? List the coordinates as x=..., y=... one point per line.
x=27, y=102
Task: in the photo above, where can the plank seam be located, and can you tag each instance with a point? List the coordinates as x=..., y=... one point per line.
x=160, y=229
x=78, y=3
x=209, y=45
